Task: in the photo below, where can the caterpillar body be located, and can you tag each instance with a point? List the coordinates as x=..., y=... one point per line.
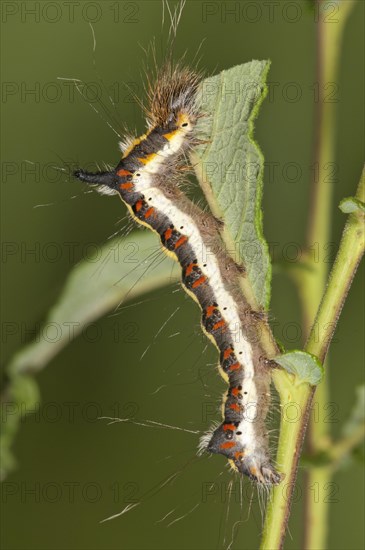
x=147, y=180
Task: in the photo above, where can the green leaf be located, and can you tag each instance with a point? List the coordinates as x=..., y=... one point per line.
x=123, y=269
x=305, y=366
x=230, y=166
x=351, y=204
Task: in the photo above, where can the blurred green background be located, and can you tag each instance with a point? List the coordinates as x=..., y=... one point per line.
x=79, y=469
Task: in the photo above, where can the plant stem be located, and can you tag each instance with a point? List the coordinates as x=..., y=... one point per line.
x=299, y=395
x=311, y=284
x=311, y=281
x=348, y=258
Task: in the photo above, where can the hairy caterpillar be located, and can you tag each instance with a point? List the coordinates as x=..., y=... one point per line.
x=147, y=180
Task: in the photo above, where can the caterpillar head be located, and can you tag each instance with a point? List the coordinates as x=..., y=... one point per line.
x=244, y=456
x=172, y=93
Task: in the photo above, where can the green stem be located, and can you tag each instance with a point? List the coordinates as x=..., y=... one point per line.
x=345, y=266
x=311, y=282
x=300, y=395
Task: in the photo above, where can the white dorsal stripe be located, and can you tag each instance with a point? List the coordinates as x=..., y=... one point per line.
x=208, y=263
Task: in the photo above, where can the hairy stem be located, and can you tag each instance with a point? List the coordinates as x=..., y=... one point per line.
x=296, y=396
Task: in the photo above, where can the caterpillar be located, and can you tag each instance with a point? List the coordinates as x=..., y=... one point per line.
x=147, y=179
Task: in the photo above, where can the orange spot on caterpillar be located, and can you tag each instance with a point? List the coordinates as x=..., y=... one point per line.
x=235, y=391
x=180, y=241
x=238, y=455
x=230, y=427
x=126, y=186
x=227, y=352
x=228, y=445
x=220, y=324
x=123, y=173
x=210, y=310
x=189, y=269
x=253, y=471
x=199, y=281
x=149, y=212
x=168, y=234
x=139, y=205
x=235, y=407
x=235, y=366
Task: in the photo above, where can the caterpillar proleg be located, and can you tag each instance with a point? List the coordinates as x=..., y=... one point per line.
x=147, y=179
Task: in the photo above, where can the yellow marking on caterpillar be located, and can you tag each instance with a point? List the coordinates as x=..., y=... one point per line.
x=170, y=135
x=147, y=159
x=182, y=118
x=135, y=142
